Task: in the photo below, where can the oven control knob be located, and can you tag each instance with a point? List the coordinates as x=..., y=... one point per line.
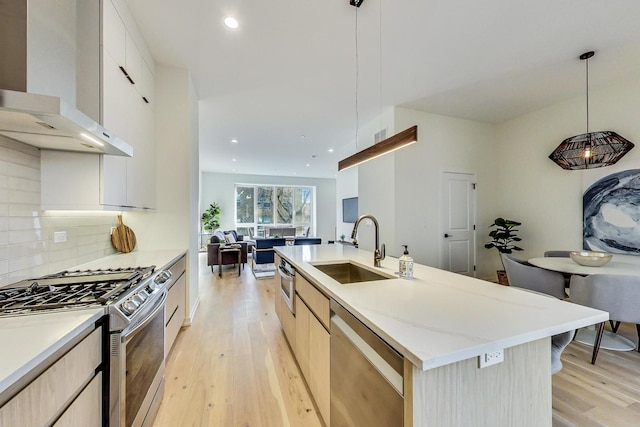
x=129, y=306
x=139, y=298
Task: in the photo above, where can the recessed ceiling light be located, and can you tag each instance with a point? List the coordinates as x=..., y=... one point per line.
x=308, y=164
x=233, y=160
x=234, y=141
x=295, y=173
x=331, y=150
x=231, y=22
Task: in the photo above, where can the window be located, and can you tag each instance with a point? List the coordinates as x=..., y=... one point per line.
x=259, y=207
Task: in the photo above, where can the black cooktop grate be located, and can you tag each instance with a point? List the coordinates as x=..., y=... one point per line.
x=70, y=289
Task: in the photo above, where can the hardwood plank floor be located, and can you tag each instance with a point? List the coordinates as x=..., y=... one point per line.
x=233, y=367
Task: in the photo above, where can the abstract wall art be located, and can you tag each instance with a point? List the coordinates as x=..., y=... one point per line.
x=611, y=213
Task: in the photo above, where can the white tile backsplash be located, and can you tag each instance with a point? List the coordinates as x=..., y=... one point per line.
x=26, y=232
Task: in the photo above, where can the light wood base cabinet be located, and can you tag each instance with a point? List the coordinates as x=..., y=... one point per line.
x=312, y=348
x=61, y=388
x=83, y=411
x=175, y=310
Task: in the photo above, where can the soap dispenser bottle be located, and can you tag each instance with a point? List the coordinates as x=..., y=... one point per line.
x=406, y=264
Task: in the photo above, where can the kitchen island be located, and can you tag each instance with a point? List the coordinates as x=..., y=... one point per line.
x=441, y=323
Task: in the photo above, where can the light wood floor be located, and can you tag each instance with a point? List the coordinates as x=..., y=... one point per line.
x=233, y=367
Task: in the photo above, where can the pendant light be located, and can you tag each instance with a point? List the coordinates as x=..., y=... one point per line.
x=591, y=149
x=399, y=140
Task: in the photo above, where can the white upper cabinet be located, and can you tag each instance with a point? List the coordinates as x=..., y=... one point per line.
x=127, y=87
x=114, y=34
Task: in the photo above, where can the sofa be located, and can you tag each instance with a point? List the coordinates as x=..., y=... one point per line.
x=263, y=248
x=227, y=258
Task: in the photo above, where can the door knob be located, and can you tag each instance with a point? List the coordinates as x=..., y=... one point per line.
x=446, y=235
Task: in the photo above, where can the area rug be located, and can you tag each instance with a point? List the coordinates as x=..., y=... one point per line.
x=264, y=270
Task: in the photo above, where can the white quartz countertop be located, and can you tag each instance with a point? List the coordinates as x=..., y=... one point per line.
x=159, y=258
x=29, y=340
x=439, y=317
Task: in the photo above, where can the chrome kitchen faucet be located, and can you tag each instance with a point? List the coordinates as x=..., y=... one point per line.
x=379, y=253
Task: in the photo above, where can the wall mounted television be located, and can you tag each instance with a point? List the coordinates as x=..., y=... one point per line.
x=350, y=209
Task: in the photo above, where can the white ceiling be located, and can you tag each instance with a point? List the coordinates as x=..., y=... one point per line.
x=284, y=83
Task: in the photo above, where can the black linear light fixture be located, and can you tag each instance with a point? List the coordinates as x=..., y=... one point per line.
x=591, y=149
x=399, y=140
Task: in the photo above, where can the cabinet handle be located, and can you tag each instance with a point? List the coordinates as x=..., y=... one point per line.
x=144, y=98
x=127, y=75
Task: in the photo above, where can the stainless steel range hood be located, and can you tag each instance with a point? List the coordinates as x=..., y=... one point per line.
x=49, y=71
x=47, y=122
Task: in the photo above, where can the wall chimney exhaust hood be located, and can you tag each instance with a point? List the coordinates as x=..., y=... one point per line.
x=49, y=71
x=49, y=123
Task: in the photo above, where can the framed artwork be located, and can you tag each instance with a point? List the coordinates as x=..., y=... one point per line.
x=611, y=212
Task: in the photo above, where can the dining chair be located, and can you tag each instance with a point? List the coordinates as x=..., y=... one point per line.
x=521, y=274
x=548, y=283
x=616, y=293
x=557, y=254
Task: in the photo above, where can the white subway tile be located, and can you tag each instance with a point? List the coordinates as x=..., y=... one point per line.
x=19, y=209
x=16, y=196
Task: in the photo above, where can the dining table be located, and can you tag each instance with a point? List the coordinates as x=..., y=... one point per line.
x=619, y=264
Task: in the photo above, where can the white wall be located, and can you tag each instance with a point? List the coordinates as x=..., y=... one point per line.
x=376, y=181
x=403, y=189
x=445, y=144
x=220, y=188
x=537, y=192
x=27, y=248
x=174, y=224
x=346, y=187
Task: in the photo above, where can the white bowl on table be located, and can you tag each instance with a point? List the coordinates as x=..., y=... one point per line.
x=590, y=258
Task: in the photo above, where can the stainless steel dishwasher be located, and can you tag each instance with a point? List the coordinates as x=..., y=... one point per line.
x=366, y=375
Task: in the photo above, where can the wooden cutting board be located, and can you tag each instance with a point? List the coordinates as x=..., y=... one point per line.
x=123, y=238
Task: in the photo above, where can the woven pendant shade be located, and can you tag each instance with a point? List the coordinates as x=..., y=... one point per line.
x=606, y=148
x=591, y=149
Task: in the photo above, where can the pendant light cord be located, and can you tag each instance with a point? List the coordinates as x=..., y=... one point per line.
x=380, y=69
x=357, y=71
x=587, y=94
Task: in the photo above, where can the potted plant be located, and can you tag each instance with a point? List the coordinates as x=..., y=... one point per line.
x=211, y=217
x=503, y=237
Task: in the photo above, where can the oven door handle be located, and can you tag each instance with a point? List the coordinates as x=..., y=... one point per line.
x=134, y=329
x=285, y=273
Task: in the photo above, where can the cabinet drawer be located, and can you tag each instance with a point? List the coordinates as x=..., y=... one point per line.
x=288, y=324
x=178, y=267
x=176, y=296
x=175, y=312
x=86, y=410
x=44, y=398
x=316, y=301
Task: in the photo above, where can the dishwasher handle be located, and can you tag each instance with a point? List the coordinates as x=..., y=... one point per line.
x=382, y=357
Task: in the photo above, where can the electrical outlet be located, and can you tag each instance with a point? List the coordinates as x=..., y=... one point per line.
x=59, y=236
x=492, y=358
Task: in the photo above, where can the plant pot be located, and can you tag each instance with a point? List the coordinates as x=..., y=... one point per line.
x=502, y=278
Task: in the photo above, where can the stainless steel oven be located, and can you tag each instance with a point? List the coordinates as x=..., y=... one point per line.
x=137, y=357
x=134, y=300
x=288, y=284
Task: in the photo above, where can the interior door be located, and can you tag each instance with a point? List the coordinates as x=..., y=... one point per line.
x=458, y=227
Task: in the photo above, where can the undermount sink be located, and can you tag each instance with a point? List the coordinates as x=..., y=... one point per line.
x=347, y=272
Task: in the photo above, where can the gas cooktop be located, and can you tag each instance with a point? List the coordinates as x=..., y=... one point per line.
x=71, y=289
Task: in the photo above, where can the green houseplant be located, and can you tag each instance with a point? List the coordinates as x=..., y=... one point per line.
x=503, y=237
x=211, y=217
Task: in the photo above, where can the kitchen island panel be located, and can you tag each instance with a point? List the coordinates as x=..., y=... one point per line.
x=516, y=392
